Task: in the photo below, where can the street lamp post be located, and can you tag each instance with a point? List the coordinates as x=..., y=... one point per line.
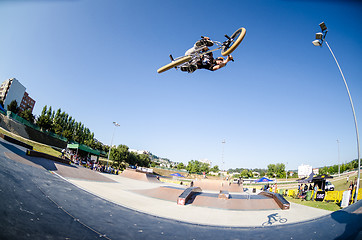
x=320, y=38
x=110, y=147
x=339, y=163
x=222, y=154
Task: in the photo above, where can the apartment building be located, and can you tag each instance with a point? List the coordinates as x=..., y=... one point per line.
x=11, y=90
x=27, y=102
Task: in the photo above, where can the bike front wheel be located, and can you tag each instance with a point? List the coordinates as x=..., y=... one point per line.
x=237, y=37
x=283, y=220
x=174, y=64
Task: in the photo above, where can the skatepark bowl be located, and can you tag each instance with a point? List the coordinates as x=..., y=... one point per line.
x=45, y=199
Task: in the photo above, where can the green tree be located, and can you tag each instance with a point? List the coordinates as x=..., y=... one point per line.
x=271, y=171
x=276, y=170
x=13, y=107
x=204, y=168
x=193, y=166
x=43, y=120
x=27, y=115
x=215, y=169
x=67, y=134
x=180, y=166
x=323, y=170
x=280, y=170
x=144, y=160
x=132, y=159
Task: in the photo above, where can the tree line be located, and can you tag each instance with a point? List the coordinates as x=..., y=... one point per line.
x=198, y=167
x=60, y=123
x=121, y=157
x=343, y=167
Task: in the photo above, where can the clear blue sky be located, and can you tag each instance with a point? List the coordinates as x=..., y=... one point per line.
x=281, y=101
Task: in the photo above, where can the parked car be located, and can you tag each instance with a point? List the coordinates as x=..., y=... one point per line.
x=329, y=186
x=235, y=180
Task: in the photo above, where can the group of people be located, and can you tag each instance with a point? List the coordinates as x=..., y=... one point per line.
x=352, y=188
x=273, y=187
x=302, y=190
x=105, y=169
x=88, y=162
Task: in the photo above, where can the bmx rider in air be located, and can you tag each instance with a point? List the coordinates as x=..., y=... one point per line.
x=207, y=60
x=201, y=57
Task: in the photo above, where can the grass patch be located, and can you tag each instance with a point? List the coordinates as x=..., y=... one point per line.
x=330, y=206
x=37, y=146
x=342, y=184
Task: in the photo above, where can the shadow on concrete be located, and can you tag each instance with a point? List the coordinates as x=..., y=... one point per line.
x=352, y=221
x=19, y=154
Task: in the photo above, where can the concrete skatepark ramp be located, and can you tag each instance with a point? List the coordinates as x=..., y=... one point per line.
x=163, y=192
x=217, y=185
x=37, y=204
x=211, y=200
x=137, y=175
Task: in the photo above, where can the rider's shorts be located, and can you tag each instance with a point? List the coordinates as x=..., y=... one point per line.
x=207, y=66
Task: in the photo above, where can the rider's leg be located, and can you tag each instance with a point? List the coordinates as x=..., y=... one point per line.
x=201, y=45
x=190, y=51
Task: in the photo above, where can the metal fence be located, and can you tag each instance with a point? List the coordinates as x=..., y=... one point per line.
x=32, y=125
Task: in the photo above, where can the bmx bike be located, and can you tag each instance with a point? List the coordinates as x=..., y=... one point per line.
x=273, y=218
x=191, y=58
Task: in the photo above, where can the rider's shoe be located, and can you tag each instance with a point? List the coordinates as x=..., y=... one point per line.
x=204, y=42
x=209, y=43
x=184, y=68
x=192, y=68
x=189, y=69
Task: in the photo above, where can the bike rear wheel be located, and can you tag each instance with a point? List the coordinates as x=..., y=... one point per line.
x=174, y=64
x=237, y=37
x=266, y=224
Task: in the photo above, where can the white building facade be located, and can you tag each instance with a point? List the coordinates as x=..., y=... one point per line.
x=205, y=161
x=11, y=90
x=304, y=170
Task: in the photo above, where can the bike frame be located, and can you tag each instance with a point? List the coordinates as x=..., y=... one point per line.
x=197, y=54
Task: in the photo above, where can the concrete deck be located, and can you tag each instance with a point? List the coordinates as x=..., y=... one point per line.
x=120, y=192
x=44, y=200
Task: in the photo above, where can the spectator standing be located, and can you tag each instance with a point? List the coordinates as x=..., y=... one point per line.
x=315, y=191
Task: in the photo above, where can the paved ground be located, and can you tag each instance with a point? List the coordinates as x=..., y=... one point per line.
x=121, y=193
x=37, y=204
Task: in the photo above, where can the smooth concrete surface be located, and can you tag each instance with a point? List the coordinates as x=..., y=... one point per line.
x=120, y=193
x=38, y=204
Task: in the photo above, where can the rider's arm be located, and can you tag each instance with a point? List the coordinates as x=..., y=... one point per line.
x=222, y=64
